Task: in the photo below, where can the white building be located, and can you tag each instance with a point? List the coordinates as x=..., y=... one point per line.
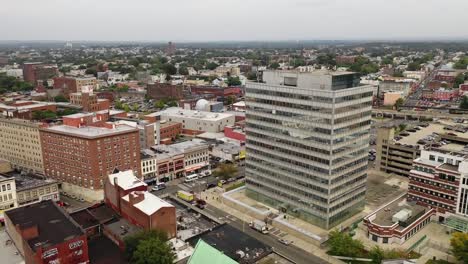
x=8, y=199
x=197, y=120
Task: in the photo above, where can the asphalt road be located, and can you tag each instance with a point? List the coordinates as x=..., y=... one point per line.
x=292, y=252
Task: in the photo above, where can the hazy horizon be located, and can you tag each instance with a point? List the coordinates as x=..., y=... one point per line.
x=232, y=20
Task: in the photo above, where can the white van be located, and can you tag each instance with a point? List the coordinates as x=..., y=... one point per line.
x=190, y=178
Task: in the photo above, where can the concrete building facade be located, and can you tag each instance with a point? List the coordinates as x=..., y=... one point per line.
x=307, y=143
x=20, y=144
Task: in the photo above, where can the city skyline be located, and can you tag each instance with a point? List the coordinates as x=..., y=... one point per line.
x=242, y=21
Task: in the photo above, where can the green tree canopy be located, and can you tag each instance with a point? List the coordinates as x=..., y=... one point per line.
x=41, y=115
x=225, y=171
x=212, y=66
x=169, y=69
x=60, y=98
x=233, y=81
x=462, y=63
x=459, y=246
x=464, y=102
x=143, y=245
x=342, y=244
x=274, y=65
x=399, y=103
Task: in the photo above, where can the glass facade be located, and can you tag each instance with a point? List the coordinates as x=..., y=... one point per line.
x=307, y=147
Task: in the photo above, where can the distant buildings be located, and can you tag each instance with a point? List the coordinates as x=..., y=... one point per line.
x=170, y=48
x=83, y=151
x=89, y=101
x=70, y=84
x=395, y=84
x=162, y=163
x=44, y=234
x=26, y=109
x=37, y=71
x=20, y=144
x=307, y=143
x=160, y=91
x=196, y=121
x=345, y=59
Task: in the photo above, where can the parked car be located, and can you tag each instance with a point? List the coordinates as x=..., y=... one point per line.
x=285, y=241
x=159, y=186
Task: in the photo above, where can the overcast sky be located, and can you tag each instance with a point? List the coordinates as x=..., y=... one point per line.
x=211, y=20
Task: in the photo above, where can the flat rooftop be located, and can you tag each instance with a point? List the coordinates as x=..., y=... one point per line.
x=84, y=218
x=221, y=238
x=122, y=228
x=384, y=216
x=91, y=131
x=53, y=224
x=25, y=182
x=192, y=114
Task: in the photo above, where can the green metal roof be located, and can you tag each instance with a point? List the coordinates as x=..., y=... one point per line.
x=457, y=223
x=205, y=253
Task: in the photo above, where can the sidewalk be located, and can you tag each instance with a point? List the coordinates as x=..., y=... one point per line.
x=214, y=198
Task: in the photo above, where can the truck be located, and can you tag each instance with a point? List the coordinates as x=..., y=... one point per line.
x=186, y=196
x=259, y=226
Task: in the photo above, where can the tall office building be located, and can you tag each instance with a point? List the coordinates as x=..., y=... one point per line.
x=307, y=143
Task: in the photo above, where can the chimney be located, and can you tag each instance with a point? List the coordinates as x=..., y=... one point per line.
x=136, y=197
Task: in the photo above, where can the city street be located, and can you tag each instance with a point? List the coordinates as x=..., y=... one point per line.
x=290, y=251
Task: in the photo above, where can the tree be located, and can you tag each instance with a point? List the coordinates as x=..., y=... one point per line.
x=231, y=99
x=342, y=244
x=401, y=127
x=225, y=171
x=399, y=103
x=132, y=242
x=41, y=115
x=159, y=104
x=91, y=71
x=414, y=66
x=172, y=103
x=460, y=79
x=274, y=65
x=126, y=108
x=377, y=254
x=183, y=70
x=169, y=69
x=153, y=251
x=459, y=246
x=212, y=66
x=462, y=63
x=60, y=98
x=233, y=81
x=464, y=103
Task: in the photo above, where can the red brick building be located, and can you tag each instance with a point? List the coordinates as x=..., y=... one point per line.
x=89, y=101
x=397, y=221
x=217, y=91
x=25, y=109
x=127, y=195
x=345, y=59
x=44, y=234
x=70, y=84
x=160, y=91
x=169, y=131
x=35, y=71
x=235, y=133
x=84, y=150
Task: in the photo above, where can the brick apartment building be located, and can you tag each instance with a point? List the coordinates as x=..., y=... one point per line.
x=85, y=149
x=435, y=180
x=127, y=195
x=169, y=131
x=89, y=101
x=44, y=234
x=70, y=84
x=160, y=91
x=35, y=71
x=220, y=92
